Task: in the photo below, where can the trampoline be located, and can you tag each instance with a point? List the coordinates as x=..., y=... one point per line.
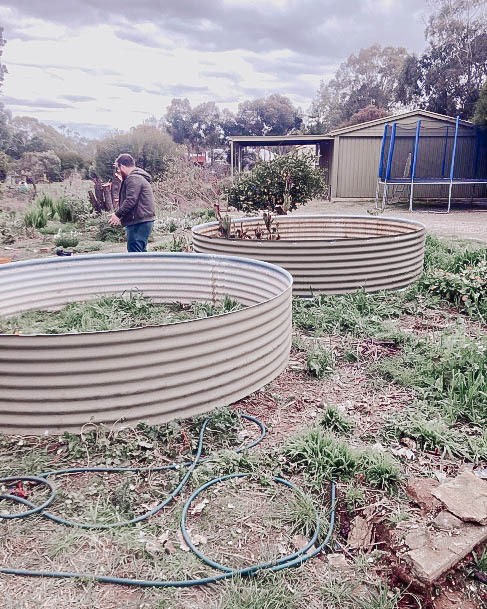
x=439, y=155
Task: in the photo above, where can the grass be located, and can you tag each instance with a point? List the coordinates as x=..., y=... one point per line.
x=267, y=593
x=450, y=373
x=112, y=312
x=320, y=457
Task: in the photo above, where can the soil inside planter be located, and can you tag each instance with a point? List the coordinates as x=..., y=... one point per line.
x=112, y=312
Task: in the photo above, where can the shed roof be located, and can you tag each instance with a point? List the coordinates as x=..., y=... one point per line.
x=396, y=117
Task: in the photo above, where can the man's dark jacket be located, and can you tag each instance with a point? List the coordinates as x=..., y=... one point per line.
x=136, y=199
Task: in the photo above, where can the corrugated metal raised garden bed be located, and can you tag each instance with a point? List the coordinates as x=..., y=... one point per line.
x=327, y=254
x=50, y=383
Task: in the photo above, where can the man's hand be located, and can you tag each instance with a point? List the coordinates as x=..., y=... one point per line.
x=114, y=220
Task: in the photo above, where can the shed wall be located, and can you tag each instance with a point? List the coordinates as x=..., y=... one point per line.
x=357, y=158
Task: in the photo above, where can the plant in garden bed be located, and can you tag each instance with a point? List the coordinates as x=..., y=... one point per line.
x=113, y=312
x=278, y=185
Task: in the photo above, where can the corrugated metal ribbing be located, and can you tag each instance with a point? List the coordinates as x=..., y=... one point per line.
x=357, y=166
x=53, y=383
x=331, y=254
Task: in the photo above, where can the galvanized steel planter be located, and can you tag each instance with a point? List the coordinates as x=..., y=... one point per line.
x=330, y=254
x=53, y=383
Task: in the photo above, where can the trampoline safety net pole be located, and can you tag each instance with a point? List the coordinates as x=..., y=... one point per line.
x=389, y=164
x=413, y=165
x=452, y=166
x=381, y=164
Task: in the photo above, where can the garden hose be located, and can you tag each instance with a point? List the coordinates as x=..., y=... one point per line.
x=294, y=559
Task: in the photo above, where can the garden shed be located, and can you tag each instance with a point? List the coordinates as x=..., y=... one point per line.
x=357, y=152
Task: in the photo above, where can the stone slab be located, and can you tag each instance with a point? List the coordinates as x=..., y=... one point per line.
x=465, y=496
x=420, y=492
x=441, y=550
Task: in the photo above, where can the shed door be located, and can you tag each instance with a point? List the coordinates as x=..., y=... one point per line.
x=358, y=160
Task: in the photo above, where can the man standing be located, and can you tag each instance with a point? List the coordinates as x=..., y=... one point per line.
x=136, y=211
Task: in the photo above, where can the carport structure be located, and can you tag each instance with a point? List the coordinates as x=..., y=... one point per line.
x=323, y=147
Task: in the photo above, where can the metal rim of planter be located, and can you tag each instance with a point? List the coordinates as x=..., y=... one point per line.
x=53, y=383
x=330, y=254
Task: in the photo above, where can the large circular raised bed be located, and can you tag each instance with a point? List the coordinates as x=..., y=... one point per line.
x=330, y=254
x=53, y=383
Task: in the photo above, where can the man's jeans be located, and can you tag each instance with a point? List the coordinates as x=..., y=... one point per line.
x=138, y=235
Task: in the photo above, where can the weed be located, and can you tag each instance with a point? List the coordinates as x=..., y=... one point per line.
x=47, y=203
x=336, y=594
x=320, y=362
x=320, y=457
x=398, y=516
x=358, y=314
x=451, y=375
x=481, y=561
x=88, y=246
x=431, y=432
x=208, y=309
x=379, y=598
x=177, y=244
x=298, y=515
x=64, y=211
x=354, y=497
x=379, y=469
x=203, y=215
x=106, y=232
x=333, y=420
x=36, y=217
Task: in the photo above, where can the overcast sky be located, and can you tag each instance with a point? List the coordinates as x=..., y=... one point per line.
x=113, y=63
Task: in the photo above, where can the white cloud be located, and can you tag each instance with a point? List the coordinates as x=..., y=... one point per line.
x=134, y=66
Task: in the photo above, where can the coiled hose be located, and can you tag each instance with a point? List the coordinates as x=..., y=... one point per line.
x=295, y=559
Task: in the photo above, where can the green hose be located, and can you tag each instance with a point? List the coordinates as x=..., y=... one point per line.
x=291, y=560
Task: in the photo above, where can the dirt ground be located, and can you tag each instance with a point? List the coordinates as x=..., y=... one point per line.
x=465, y=221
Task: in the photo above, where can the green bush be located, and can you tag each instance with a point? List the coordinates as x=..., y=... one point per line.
x=47, y=204
x=36, y=217
x=64, y=211
x=70, y=239
x=106, y=232
x=287, y=181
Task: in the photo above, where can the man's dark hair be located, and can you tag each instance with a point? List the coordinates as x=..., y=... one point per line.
x=125, y=159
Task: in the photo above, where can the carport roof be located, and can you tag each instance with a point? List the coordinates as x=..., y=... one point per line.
x=279, y=140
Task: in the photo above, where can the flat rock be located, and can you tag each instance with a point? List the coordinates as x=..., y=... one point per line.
x=446, y=521
x=420, y=492
x=442, y=550
x=465, y=496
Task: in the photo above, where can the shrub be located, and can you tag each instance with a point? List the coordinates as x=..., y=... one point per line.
x=63, y=211
x=47, y=204
x=285, y=182
x=106, y=232
x=70, y=239
x=36, y=217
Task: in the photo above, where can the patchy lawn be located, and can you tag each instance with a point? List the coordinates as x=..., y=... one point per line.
x=381, y=390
